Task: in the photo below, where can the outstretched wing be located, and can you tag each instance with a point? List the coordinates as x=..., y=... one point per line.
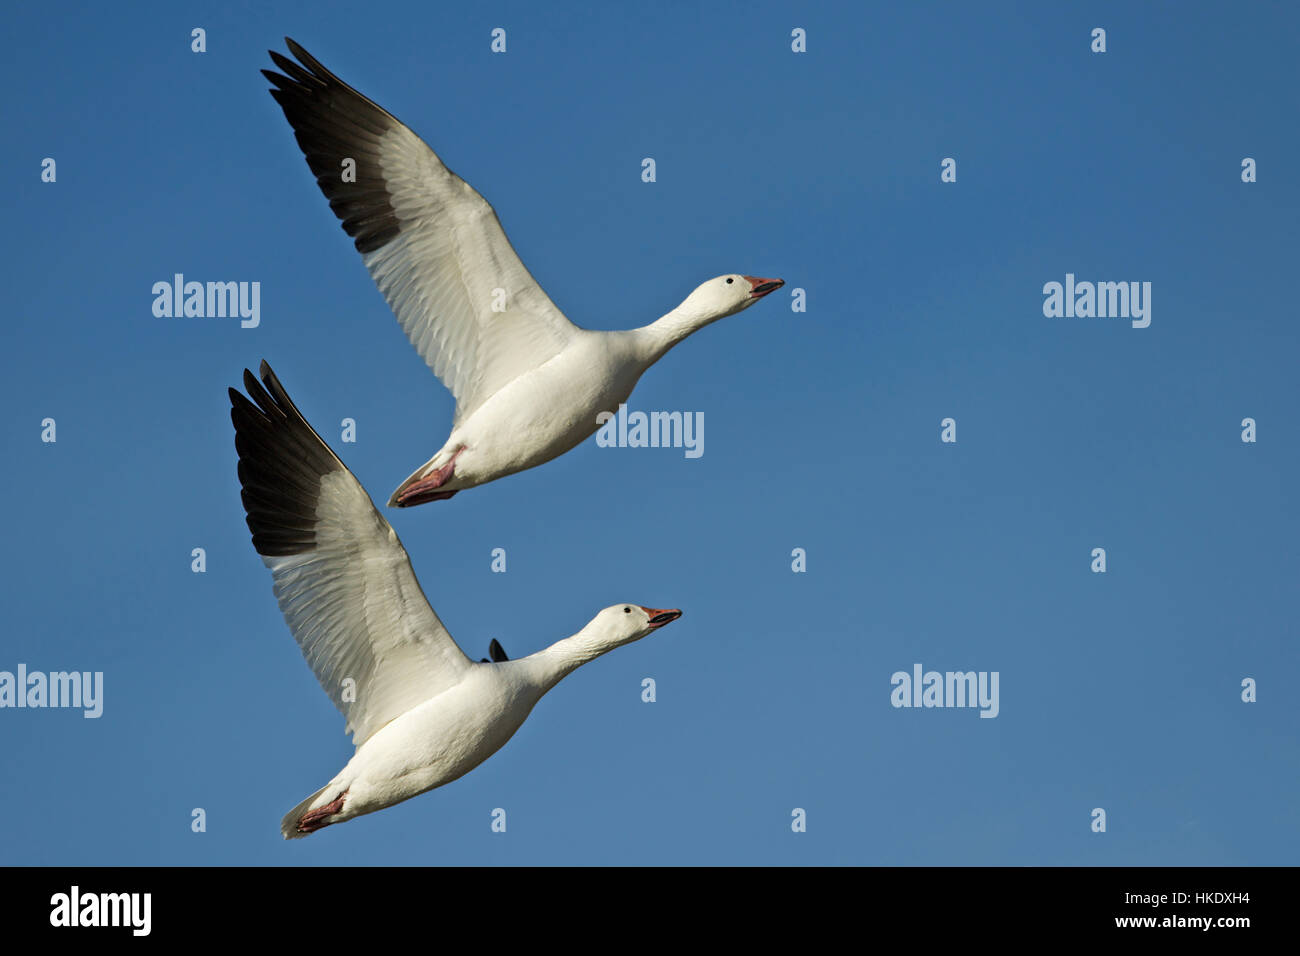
x=432, y=244
x=342, y=578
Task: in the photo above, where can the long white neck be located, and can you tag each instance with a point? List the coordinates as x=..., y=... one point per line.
x=550, y=666
x=655, y=339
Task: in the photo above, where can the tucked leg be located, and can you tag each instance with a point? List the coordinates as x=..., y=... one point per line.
x=313, y=820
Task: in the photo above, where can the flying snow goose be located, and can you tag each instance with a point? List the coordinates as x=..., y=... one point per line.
x=528, y=383
x=420, y=712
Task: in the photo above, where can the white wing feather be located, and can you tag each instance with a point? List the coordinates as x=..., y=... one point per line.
x=341, y=576
x=432, y=244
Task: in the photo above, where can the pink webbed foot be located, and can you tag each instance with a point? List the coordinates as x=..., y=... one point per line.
x=313, y=820
x=418, y=491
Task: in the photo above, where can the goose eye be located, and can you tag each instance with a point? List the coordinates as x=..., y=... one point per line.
x=729, y=281
x=627, y=610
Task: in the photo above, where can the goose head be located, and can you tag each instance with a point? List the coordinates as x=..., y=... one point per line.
x=716, y=299
x=624, y=623
x=726, y=295
x=613, y=627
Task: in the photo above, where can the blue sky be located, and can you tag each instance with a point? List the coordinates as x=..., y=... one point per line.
x=1119, y=690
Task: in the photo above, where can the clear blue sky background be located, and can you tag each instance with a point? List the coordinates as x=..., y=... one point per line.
x=1118, y=690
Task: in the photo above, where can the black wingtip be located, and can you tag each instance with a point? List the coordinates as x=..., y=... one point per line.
x=331, y=122
x=281, y=462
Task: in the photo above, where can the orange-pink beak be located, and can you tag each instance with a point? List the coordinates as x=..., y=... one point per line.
x=661, y=616
x=762, y=287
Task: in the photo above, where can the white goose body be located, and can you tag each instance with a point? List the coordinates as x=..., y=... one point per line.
x=528, y=383
x=540, y=415
x=440, y=740
x=421, y=713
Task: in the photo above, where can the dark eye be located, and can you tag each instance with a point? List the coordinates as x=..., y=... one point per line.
x=627, y=610
x=729, y=281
